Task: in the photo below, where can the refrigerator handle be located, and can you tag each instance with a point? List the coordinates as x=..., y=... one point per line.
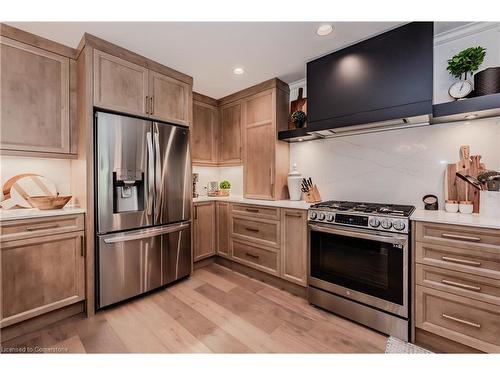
x=158, y=172
x=150, y=174
x=146, y=233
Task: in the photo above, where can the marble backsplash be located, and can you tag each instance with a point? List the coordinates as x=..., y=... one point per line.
x=399, y=166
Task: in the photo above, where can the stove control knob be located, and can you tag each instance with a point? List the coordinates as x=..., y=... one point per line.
x=321, y=216
x=312, y=215
x=386, y=224
x=374, y=222
x=330, y=217
x=399, y=225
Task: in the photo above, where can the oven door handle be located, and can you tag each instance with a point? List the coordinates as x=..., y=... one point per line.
x=382, y=237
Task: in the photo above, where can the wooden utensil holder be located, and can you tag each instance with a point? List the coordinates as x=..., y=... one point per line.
x=313, y=196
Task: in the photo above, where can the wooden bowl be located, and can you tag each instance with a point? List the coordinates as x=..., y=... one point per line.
x=47, y=202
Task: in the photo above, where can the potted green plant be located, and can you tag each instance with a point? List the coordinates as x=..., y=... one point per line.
x=299, y=118
x=225, y=188
x=460, y=66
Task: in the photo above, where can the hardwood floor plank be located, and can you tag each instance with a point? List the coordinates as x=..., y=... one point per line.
x=215, y=280
x=98, y=336
x=136, y=337
x=174, y=336
x=71, y=345
x=213, y=337
x=289, y=333
x=256, y=339
x=236, y=278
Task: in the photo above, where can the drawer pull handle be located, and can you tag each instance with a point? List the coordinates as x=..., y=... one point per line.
x=252, y=230
x=461, y=261
x=459, y=237
x=251, y=210
x=252, y=256
x=458, y=320
x=42, y=227
x=460, y=285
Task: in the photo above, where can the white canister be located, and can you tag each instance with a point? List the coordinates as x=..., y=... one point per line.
x=489, y=203
x=451, y=206
x=465, y=207
x=294, y=178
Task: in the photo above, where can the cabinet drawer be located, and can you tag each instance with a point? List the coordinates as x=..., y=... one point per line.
x=458, y=236
x=256, y=211
x=265, y=232
x=258, y=257
x=460, y=283
x=29, y=228
x=467, y=321
x=484, y=262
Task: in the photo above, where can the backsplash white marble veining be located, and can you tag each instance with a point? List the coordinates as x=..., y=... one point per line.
x=398, y=166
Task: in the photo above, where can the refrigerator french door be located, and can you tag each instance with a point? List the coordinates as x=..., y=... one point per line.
x=143, y=201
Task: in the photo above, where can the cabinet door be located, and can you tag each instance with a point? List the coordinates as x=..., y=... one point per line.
x=170, y=99
x=34, y=99
x=204, y=134
x=40, y=275
x=230, y=135
x=294, y=246
x=204, y=230
x=119, y=85
x=223, y=210
x=259, y=138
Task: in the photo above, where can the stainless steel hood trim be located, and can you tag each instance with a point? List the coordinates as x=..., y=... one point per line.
x=146, y=233
x=375, y=127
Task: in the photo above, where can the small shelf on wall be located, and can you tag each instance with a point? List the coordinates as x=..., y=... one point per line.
x=467, y=109
x=296, y=135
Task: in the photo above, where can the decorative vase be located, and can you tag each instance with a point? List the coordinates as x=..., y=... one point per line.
x=294, y=179
x=299, y=124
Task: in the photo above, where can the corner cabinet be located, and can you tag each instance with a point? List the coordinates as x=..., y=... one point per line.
x=35, y=101
x=124, y=86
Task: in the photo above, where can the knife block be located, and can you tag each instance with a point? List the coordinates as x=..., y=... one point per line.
x=312, y=195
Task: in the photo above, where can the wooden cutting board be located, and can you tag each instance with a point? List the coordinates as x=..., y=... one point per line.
x=27, y=185
x=457, y=189
x=300, y=104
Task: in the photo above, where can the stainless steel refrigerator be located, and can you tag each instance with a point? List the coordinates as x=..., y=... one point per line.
x=143, y=205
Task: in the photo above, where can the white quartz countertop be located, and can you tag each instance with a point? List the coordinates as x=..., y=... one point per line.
x=443, y=217
x=31, y=213
x=301, y=205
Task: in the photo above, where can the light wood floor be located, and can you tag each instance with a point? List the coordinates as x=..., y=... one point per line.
x=215, y=310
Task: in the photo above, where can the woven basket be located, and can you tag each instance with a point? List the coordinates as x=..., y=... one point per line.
x=487, y=82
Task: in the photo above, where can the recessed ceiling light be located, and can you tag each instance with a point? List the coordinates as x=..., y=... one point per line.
x=324, y=29
x=300, y=139
x=238, y=71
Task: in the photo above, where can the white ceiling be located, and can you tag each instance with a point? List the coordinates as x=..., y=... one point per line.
x=208, y=51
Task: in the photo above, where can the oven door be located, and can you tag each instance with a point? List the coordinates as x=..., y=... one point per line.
x=362, y=265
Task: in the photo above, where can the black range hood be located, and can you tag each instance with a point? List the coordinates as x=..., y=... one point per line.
x=381, y=83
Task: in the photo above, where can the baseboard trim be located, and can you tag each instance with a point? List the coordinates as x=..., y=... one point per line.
x=203, y=262
x=439, y=344
x=36, y=323
x=292, y=288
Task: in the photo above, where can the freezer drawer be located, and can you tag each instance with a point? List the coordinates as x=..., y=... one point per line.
x=134, y=262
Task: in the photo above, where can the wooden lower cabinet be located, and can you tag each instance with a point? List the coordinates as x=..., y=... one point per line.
x=204, y=230
x=457, y=287
x=223, y=230
x=40, y=275
x=294, y=246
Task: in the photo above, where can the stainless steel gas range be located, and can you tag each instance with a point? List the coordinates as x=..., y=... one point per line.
x=359, y=263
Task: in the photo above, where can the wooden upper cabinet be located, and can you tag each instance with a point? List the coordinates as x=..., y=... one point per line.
x=170, y=99
x=35, y=115
x=120, y=85
x=204, y=133
x=230, y=152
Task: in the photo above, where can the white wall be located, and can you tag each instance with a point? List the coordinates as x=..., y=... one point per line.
x=446, y=45
x=57, y=170
x=233, y=174
x=398, y=166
